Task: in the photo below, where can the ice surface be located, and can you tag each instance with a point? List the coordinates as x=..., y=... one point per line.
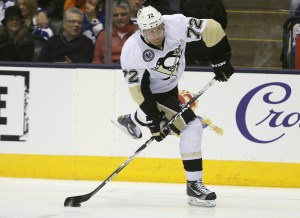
x=38, y=198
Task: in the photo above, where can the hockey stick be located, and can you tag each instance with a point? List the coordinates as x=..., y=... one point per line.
x=76, y=201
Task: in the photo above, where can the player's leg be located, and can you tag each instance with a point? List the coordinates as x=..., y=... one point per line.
x=190, y=129
x=190, y=150
x=128, y=125
x=131, y=124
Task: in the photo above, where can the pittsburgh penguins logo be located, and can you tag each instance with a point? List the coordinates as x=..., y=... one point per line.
x=169, y=63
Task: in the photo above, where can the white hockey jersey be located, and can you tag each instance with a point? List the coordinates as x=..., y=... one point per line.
x=166, y=65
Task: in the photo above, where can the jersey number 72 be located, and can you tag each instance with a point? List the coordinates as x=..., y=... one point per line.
x=131, y=76
x=194, y=25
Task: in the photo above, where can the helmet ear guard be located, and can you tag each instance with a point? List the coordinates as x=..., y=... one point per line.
x=148, y=18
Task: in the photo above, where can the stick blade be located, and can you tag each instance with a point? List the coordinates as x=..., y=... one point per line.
x=72, y=202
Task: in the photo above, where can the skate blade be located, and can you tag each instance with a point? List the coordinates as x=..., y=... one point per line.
x=201, y=203
x=122, y=128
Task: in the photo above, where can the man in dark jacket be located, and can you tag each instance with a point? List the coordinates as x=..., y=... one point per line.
x=70, y=46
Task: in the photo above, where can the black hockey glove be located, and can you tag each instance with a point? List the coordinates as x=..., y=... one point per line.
x=155, y=124
x=222, y=68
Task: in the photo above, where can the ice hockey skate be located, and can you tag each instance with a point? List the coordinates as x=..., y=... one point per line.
x=126, y=125
x=199, y=195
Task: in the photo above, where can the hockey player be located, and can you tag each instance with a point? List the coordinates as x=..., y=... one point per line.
x=153, y=62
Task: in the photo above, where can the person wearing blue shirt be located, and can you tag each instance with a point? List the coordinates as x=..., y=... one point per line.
x=94, y=19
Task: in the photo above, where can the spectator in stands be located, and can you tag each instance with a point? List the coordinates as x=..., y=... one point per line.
x=75, y=3
x=135, y=5
x=70, y=46
x=16, y=42
x=53, y=8
x=42, y=19
x=121, y=31
x=29, y=9
x=3, y=5
x=94, y=18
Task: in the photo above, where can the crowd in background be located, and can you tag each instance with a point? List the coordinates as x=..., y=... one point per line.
x=73, y=31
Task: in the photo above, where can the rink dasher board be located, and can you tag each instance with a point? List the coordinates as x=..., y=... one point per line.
x=67, y=115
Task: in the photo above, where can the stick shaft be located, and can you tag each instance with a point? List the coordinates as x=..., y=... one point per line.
x=82, y=198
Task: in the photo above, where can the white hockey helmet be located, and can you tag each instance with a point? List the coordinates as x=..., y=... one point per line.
x=148, y=18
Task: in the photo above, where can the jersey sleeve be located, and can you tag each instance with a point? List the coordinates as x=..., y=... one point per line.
x=215, y=39
x=138, y=80
x=193, y=29
x=139, y=89
x=184, y=28
x=212, y=34
x=133, y=77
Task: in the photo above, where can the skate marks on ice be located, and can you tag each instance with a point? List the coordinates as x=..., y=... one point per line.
x=37, y=198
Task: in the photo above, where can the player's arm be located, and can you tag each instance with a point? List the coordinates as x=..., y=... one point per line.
x=139, y=89
x=216, y=40
x=154, y=117
x=212, y=34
